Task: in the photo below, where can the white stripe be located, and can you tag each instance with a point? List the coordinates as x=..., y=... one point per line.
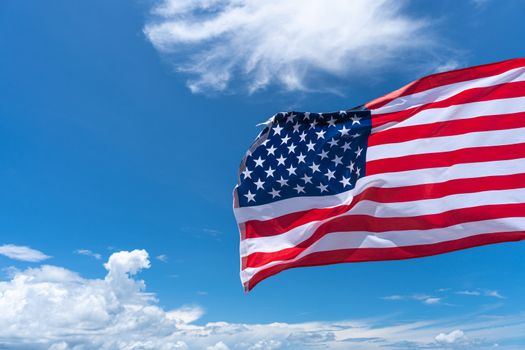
x=397, y=179
x=462, y=111
x=285, y=206
x=384, y=210
x=443, y=92
x=446, y=143
x=345, y=240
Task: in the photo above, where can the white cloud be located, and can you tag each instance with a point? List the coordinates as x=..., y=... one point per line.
x=186, y=314
x=88, y=252
x=289, y=43
x=162, y=257
x=452, y=337
x=494, y=294
x=22, y=253
x=431, y=301
x=478, y=292
x=448, y=65
x=219, y=346
x=469, y=292
x=50, y=307
x=425, y=299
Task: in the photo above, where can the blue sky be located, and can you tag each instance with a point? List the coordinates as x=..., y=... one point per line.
x=122, y=125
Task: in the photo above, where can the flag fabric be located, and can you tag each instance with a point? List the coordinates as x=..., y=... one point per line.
x=436, y=166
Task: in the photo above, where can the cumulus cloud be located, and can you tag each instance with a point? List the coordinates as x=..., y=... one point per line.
x=88, y=252
x=452, y=337
x=50, y=307
x=219, y=346
x=22, y=253
x=288, y=43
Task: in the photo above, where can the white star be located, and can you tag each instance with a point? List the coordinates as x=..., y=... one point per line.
x=344, y=131
x=307, y=115
x=306, y=179
x=351, y=166
x=300, y=158
x=358, y=152
x=355, y=119
x=290, y=118
x=271, y=150
x=265, y=142
x=313, y=124
x=280, y=160
x=337, y=160
x=296, y=127
x=345, y=181
x=314, y=167
x=342, y=112
x=321, y=115
x=303, y=136
x=274, y=193
x=311, y=146
x=291, y=148
x=333, y=142
x=269, y=172
x=259, y=162
x=285, y=139
x=320, y=134
x=322, y=188
x=283, y=182
x=299, y=189
x=259, y=184
x=291, y=170
x=331, y=122
x=330, y=174
x=277, y=130
x=358, y=171
x=247, y=173
x=356, y=135
x=346, y=146
x=323, y=154
x=250, y=196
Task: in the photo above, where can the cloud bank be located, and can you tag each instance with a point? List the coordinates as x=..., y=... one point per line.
x=287, y=43
x=50, y=307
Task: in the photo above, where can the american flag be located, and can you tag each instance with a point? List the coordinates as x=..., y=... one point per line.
x=436, y=166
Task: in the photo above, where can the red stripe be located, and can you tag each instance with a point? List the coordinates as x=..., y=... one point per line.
x=446, y=78
x=378, y=254
x=502, y=91
x=448, y=128
x=446, y=159
x=282, y=224
x=367, y=223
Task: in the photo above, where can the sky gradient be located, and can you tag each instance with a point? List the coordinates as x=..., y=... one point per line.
x=122, y=125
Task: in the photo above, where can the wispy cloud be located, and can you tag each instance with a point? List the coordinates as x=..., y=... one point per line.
x=88, y=252
x=481, y=292
x=480, y=3
x=425, y=299
x=288, y=43
x=448, y=65
x=22, y=253
x=162, y=257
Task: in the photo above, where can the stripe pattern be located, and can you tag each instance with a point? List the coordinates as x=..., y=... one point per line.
x=444, y=170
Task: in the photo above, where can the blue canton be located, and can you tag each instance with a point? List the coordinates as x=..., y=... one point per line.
x=305, y=154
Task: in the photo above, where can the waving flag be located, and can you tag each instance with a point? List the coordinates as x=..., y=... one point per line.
x=436, y=166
